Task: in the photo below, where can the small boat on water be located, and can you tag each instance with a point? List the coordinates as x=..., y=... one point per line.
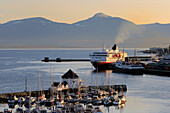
x=106, y=57
x=117, y=101
x=96, y=101
x=13, y=100
x=97, y=110
x=59, y=108
x=108, y=102
x=128, y=68
x=122, y=98
x=88, y=109
x=78, y=108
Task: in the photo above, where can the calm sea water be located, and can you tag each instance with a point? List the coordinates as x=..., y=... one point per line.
x=146, y=93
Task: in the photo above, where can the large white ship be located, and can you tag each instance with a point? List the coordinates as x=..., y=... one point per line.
x=105, y=58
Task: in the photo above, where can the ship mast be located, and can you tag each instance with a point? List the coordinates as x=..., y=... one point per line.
x=123, y=52
x=134, y=55
x=104, y=46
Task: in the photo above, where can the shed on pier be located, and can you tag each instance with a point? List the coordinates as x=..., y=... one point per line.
x=71, y=78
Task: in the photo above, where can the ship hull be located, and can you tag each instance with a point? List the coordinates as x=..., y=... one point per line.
x=128, y=71
x=158, y=72
x=103, y=65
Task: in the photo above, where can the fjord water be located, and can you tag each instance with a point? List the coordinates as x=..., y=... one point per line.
x=145, y=94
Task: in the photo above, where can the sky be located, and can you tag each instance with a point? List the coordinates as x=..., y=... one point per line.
x=70, y=11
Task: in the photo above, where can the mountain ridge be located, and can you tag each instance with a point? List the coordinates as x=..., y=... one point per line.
x=91, y=32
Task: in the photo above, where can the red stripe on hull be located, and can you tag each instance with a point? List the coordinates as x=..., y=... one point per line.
x=103, y=65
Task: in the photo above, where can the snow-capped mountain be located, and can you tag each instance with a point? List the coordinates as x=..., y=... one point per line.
x=92, y=32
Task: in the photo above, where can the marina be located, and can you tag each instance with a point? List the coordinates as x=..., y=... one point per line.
x=68, y=96
x=139, y=87
x=13, y=99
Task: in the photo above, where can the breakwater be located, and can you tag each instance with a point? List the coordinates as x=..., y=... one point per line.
x=137, y=58
x=46, y=59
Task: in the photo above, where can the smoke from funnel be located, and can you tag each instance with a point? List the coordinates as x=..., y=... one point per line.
x=124, y=33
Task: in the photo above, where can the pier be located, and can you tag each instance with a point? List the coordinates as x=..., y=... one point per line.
x=4, y=97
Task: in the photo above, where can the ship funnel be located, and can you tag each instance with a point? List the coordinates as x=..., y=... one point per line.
x=115, y=47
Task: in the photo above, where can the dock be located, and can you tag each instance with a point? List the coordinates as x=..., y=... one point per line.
x=157, y=72
x=5, y=96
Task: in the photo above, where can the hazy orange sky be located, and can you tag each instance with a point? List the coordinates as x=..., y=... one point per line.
x=70, y=11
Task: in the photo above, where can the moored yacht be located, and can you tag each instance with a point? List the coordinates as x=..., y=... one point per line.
x=106, y=57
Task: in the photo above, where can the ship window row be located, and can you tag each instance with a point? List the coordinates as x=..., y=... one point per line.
x=100, y=52
x=98, y=55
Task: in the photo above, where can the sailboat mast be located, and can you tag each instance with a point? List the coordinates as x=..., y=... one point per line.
x=91, y=77
x=53, y=93
x=104, y=81
x=97, y=78
x=112, y=81
x=60, y=77
x=68, y=85
x=109, y=80
x=86, y=80
x=25, y=84
x=51, y=79
x=38, y=85
x=50, y=75
x=42, y=91
x=29, y=98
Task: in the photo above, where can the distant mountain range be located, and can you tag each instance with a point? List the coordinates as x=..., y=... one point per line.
x=92, y=32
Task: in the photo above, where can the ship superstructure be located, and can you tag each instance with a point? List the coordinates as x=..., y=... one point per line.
x=106, y=57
